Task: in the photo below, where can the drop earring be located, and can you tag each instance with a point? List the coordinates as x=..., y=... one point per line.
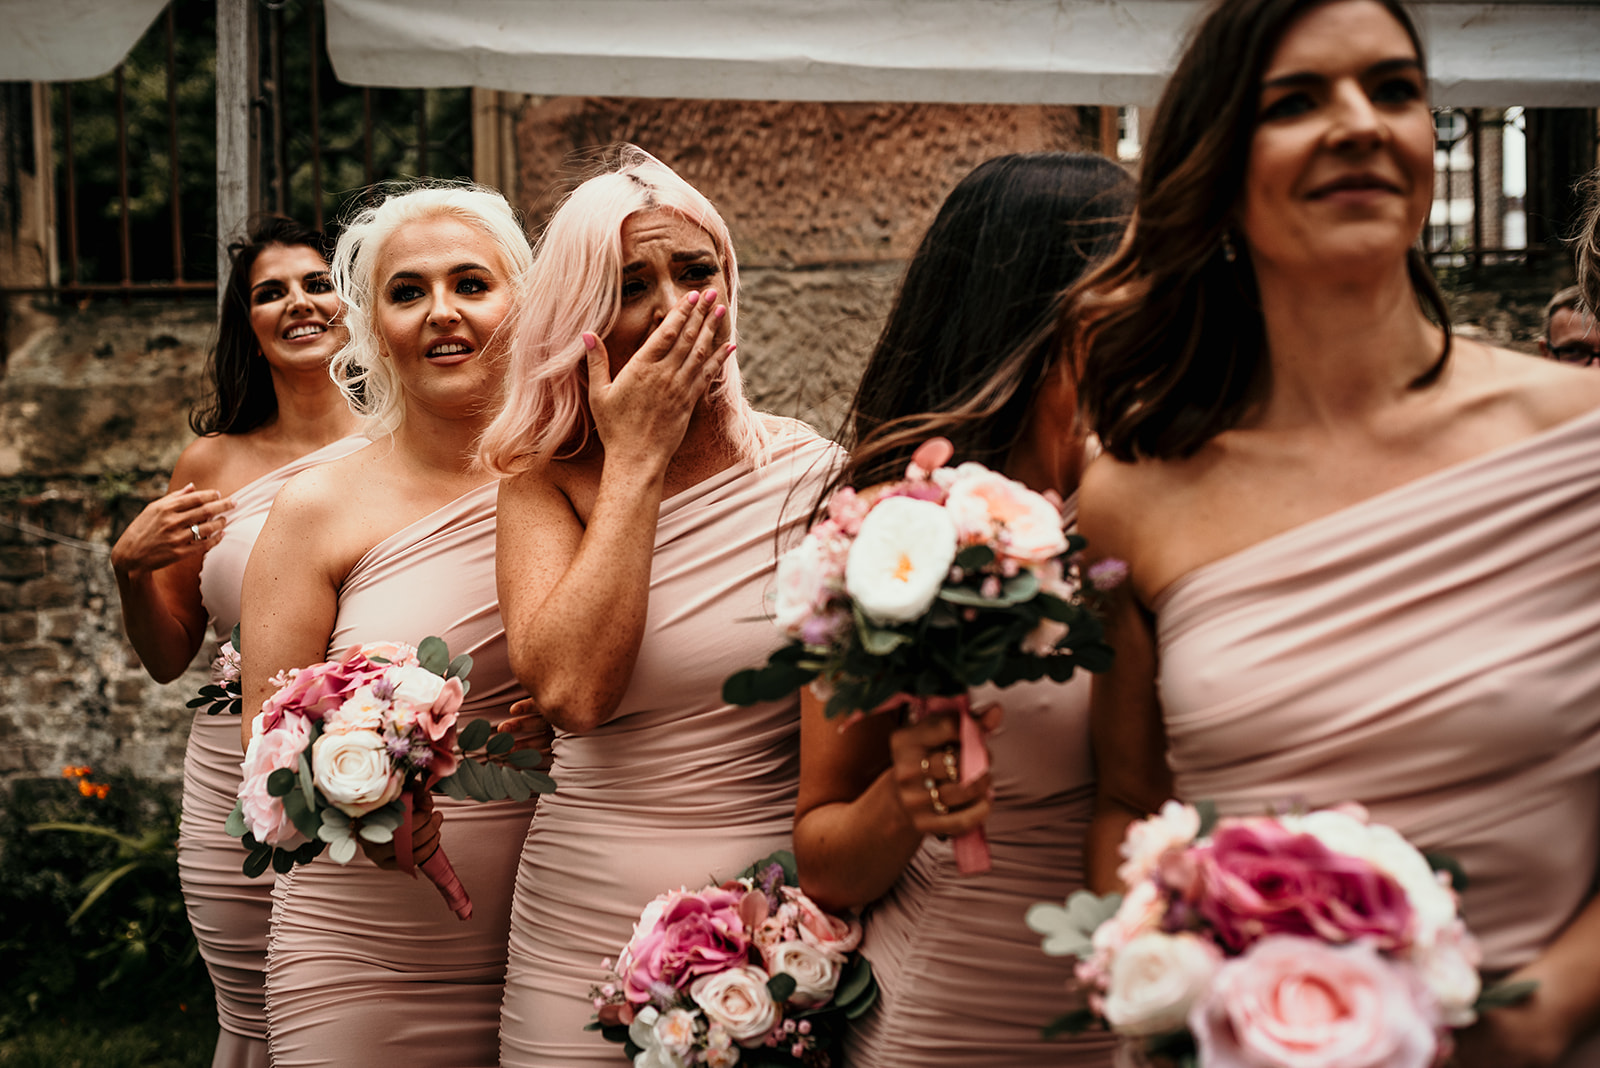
x=1229, y=253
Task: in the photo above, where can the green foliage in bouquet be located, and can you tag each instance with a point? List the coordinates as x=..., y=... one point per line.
x=218, y=698
x=966, y=640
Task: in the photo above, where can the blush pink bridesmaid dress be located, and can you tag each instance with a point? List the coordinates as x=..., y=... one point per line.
x=229, y=912
x=366, y=966
x=1432, y=653
x=678, y=788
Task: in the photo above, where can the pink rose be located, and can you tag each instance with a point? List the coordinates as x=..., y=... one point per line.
x=312, y=691
x=225, y=668
x=1300, y=1003
x=694, y=934
x=847, y=510
x=1261, y=879
x=270, y=750
x=989, y=507
x=831, y=934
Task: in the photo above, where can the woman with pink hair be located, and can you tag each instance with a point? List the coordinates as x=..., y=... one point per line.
x=636, y=547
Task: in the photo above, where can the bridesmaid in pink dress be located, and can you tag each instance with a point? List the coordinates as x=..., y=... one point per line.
x=638, y=539
x=396, y=543
x=272, y=412
x=1364, y=555
x=960, y=975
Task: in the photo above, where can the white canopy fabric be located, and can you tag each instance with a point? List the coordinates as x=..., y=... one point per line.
x=68, y=40
x=958, y=51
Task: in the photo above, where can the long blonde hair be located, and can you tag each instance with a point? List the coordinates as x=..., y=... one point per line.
x=575, y=286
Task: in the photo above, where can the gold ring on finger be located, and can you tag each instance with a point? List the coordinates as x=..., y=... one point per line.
x=929, y=784
x=927, y=769
x=194, y=529
x=952, y=770
x=939, y=807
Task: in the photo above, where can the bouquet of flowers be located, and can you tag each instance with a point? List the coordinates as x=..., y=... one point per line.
x=222, y=694
x=345, y=748
x=748, y=972
x=1317, y=939
x=924, y=588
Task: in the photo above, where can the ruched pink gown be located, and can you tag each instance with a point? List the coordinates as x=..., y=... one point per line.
x=962, y=979
x=1432, y=653
x=369, y=967
x=229, y=912
x=678, y=788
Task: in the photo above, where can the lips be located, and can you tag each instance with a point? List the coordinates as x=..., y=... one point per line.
x=300, y=330
x=449, y=346
x=1360, y=182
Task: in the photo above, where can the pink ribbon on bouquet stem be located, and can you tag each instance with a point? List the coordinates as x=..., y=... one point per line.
x=971, y=847
x=437, y=867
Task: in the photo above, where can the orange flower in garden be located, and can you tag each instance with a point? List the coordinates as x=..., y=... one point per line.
x=81, y=772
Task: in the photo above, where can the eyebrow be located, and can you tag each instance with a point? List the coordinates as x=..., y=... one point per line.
x=279, y=281
x=691, y=256
x=1385, y=66
x=460, y=268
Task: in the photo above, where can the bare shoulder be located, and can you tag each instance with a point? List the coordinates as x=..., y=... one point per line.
x=1114, y=499
x=205, y=462
x=1544, y=393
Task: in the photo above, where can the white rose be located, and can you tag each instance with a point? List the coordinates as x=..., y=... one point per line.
x=900, y=559
x=1433, y=904
x=800, y=584
x=353, y=770
x=738, y=1000
x=414, y=685
x=815, y=972
x=1155, y=980
x=987, y=505
x=654, y=1053
x=675, y=1029
x=1449, y=968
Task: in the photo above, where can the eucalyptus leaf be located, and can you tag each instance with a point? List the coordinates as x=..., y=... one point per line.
x=974, y=557
x=282, y=860
x=376, y=832
x=515, y=786
x=499, y=743
x=280, y=782
x=1020, y=587
x=307, y=786
x=343, y=851
x=539, y=782
x=459, y=668
x=470, y=774
x=856, y=981
x=196, y=702
x=434, y=655
x=739, y=689
x=1069, y=1023
x=1445, y=862
x=525, y=758
x=233, y=636
x=1501, y=995
x=1208, y=817
x=474, y=735
x=879, y=641
x=451, y=786
x=780, y=986
x=257, y=861
x=235, y=824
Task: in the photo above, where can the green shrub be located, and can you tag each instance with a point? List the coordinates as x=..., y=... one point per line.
x=92, y=925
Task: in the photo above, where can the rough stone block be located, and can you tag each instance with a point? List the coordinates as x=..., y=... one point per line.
x=60, y=624
x=27, y=659
x=19, y=627
x=127, y=691
x=21, y=561
x=48, y=592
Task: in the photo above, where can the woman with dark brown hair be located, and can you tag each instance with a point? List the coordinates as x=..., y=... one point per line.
x=1364, y=556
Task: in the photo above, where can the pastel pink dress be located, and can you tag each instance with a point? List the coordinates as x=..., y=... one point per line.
x=229, y=912
x=366, y=966
x=962, y=979
x=678, y=788
x=1432, y=653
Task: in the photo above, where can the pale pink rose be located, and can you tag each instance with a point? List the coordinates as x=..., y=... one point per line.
x=900, y=559
x=675, y=1030
x=991, y=508
x=1174, y=827
x=397, y=653
x=1300, y=1003
x=361, y=711
x=816, y=972
x=1261, y=878
x=413, y=685
x=1448, y=967
x=354, y=771
x=837, y=935
x=801, y=585
x=268, y=751
x=225, y=668
x=692, y=935
x=1156, y=979
x=738, y=999
x=847, y=509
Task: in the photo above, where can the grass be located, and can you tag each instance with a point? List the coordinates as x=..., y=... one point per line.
x=178, y=1040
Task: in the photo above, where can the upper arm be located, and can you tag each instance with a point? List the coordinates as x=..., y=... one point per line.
x=291, y=589
x=537, y=535
x=1126, y=732
x=837, y=766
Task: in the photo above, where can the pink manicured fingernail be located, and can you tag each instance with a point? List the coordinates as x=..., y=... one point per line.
x=589, y=341
x=731, y=347
x=722, y=309
x=711, y=295
x=694, y=298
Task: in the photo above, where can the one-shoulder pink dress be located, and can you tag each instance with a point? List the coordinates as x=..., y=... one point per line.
x=962, y=979
x=1432, y=653
x=366, y=966
x=229, y=912
x=678, y=788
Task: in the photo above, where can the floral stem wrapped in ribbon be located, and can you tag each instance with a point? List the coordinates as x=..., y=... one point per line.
x=747, y=972
x=918, y=590
x=1316, y=939
x=345, y=749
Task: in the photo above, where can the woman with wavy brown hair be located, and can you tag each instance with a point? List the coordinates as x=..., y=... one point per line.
x=1364, y=556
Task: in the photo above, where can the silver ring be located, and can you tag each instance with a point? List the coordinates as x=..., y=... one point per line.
x=194, y=528
x=939, y=807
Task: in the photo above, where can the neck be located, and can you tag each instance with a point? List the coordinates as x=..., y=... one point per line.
x=441, y=445
x=311, y=410
x=1344, y=351
x=1049, y=453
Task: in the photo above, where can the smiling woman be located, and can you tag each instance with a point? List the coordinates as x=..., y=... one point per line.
x=1363, y=557
x=395, y=544
x=271, y=412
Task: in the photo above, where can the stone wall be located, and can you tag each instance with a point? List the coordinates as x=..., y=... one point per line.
x=825, y=202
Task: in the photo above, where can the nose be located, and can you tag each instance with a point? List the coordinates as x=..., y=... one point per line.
x=299, y=299
x=1357, y=124
x=443, y=311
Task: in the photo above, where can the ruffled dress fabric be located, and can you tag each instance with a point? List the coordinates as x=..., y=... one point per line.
x=366, y=966
x=229, y=912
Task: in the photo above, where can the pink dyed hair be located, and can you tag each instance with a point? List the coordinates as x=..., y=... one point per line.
x=575, y=285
